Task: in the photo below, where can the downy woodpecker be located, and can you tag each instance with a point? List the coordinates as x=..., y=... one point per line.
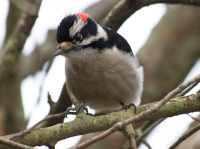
x=100, y=68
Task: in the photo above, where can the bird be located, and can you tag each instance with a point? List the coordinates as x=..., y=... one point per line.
x=101, y=69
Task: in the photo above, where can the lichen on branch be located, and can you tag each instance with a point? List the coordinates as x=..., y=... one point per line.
x=87, y=124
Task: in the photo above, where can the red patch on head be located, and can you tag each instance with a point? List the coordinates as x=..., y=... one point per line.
x=83, y=16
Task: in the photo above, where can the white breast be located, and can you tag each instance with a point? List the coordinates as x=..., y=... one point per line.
x=103, y=80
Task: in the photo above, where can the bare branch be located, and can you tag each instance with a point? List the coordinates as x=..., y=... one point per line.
x=14, y=144
x=193, y=118
x=129, y=132
x=146, y=143
x=184, y=137
x=132, y=142
x=188, y=89
x=38, y=123
x=125, y=8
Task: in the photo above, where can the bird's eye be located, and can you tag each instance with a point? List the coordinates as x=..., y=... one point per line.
x=77, y=37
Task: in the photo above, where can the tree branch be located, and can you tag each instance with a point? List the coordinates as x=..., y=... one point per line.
x=125, y=8
x=144, y=141
x=13, y=47
x=193, y=118
x=87, y=124
x=132, y=142
x=14, y=144
x=188, y=89
x=27, y=7
x=151, y=110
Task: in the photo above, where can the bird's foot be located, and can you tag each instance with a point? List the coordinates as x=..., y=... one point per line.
x=82, y=105
x=74, y=109
x=128, y=106
x=69, y=109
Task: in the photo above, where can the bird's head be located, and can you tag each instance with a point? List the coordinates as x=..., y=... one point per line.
x=76, y=31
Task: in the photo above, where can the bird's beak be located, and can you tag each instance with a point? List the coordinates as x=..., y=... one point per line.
x=58, y=52
x=62, y=47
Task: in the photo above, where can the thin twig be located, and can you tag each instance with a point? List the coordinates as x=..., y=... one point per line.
x=14, y=144
x=146, y=131
x=129, y=132
x=185, y=136
x=151, y=110
x=146, y=143
x=38, y=123
x=132, y=142
x=193, y=118
x=188, y=89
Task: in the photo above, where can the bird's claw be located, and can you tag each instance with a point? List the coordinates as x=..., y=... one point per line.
x=128, y=106
x=70, y=108
x=74, y=109
x=82, y=105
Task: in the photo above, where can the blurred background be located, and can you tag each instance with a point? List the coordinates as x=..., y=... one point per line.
x=165, y=38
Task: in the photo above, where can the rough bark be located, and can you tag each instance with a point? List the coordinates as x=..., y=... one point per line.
x=84, y=124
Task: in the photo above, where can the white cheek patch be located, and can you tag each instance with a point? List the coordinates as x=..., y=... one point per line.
x=100, y=34
x=77, y=26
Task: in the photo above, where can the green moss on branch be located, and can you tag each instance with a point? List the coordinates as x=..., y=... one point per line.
x=88, y=124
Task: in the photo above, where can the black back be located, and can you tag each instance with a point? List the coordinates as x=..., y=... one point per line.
x=114, y=39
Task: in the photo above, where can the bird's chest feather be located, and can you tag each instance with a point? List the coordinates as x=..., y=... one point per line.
x=89, y=77
x=105, y=75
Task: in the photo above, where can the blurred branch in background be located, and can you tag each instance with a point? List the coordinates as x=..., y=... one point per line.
x=171, y=51
x=19, y=27
x=125, y=8
x=185, y=136
x=193, y=141
x=14, y=45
